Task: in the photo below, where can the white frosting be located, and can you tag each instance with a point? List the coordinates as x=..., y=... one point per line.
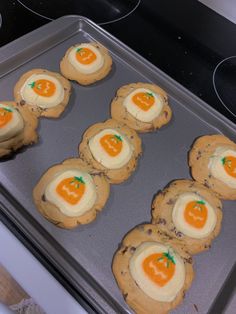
x=102, y=156
x=166, y=293
x=216, y=167
x=137, y=112
x=13, y=127
x=86, y=68
x=183, y=226
x=28, y=94
x=86, y=202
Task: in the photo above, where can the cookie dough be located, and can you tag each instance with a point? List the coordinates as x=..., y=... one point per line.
x=86, y=63
x=112, y=148
x=71, y=193
x=17, y=127
x=188, y=211
x=45, y=93
x=152, y=270
x=142, y=106
x=212, y=160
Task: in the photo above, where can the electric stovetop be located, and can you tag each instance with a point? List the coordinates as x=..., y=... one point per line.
x=190, y=42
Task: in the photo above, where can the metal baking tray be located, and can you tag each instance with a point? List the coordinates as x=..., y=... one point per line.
x=84, y=255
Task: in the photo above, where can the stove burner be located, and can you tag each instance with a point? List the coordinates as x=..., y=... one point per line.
x=224, y=83
x=100, y=11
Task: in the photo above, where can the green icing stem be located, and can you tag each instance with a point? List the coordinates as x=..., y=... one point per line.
x=7, y=109
x=118, y=138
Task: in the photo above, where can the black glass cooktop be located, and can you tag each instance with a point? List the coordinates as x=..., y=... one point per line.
x=187, y=40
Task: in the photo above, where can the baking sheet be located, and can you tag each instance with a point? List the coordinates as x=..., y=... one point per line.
x=84, y=255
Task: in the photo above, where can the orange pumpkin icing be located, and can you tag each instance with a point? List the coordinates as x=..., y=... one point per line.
x=144, y=100
x=229, y=163
x=6, y=115
x=71, y=189
x=85, y=55
x=195, y=214
x=112, y=144
x=159, y=267
x=43, y=87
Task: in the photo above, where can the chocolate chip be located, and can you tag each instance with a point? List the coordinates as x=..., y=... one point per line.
x=176, y=232
x=132, y=249
x=161, y=221
x=206, y=183
x=149, y=231
x=189, y=260
x=170, y=201
x=125, y=295
x=125, y=250
x=22, y=102
x=165, y=113
x=43, y=198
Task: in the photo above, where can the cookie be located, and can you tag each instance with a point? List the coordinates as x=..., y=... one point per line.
x=71, y=193
x=212, y=160
x=142, y=106
x=188, y=211
x=152, y=270
x=86, y=63
x=45, y=93
x=112, y=148
x=17, y=127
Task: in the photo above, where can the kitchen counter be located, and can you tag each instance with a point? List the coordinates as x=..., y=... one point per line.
x=34, y=278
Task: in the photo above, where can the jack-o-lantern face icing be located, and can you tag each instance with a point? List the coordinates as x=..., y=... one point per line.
x=157, y=270
x=42, y=90
x=112, y=144
x=159, y=267
x=72, y=191
x=5, y=116
x=43, y=87
x=143, y=100
x=193, y=216
x=229, y=163
x=85, y=55
x=86, y=58
x=143, y=104
x=110, y=148
x=222, y=165
x=11, y=122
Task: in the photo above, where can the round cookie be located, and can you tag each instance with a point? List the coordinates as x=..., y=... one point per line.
x=86, y=63
x=112, y=148
x=17, y=127
x=46, y=93
x=71, y=193
x=210, y=165
x=142, y=106
x=188, y=211
x=136, y=289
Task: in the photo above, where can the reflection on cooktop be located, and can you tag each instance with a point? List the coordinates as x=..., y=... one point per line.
x=100, y=11
x=224, y=82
